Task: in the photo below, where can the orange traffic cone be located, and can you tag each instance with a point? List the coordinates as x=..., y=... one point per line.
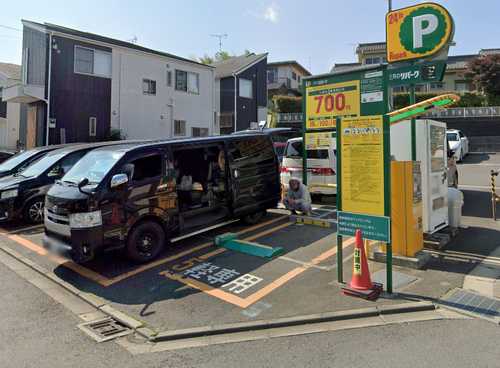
x=361, y=284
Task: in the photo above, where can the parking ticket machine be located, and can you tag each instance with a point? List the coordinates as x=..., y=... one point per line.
x=406, y=208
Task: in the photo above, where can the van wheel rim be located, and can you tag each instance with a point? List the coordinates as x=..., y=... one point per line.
x=36, y=211
x=145, y=244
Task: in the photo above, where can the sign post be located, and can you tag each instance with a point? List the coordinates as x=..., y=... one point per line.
x=416, y=32
x=363, y=176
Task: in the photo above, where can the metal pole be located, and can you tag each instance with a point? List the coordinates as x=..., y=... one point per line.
x=413, y=126
x=494, y=197
x=389, y=4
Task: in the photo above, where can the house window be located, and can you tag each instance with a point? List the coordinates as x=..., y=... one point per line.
x=372, y=60
x=93, y=62
x=246, y=88
x=193, y=83
x=179, y=127
x=294, y=76
x=437, y=85
x=3, y=109
x=149, y=87
x=169, y=78
x=298, y=78
x=272, y=75
x=92, y=127
x=181, y=80
x=461, y=86
x=199, y=132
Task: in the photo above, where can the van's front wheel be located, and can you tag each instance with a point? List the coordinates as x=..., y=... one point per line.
x=145, y=242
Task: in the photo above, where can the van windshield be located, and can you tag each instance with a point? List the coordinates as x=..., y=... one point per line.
x=294, y=150
x=43, y=164
x=16, y=160
x=94, y=166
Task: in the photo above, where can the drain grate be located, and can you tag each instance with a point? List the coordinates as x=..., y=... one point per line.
x=473, y=303
x=104, y=329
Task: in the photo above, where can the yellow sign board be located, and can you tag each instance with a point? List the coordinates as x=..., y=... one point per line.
x=417, y=31
x=362, y=165
x=318, y=140
x=327, y=102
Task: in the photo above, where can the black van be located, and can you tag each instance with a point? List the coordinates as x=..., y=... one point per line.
x=22, y=195
x=23, y=159
x=139, y=196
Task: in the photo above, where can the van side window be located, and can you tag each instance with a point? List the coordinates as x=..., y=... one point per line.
x=146, y=167
x=258, y=150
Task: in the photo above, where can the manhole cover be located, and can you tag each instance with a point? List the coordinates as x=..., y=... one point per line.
x=473, y=303
x=104, y=329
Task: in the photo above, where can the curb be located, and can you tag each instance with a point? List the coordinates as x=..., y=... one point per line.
x=291, y=321
x=153, y=336
x=308, y=220
x=89, y=298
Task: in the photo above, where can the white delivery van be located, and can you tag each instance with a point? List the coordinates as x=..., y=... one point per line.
x=321, y=166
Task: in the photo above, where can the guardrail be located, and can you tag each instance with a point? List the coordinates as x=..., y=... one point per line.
x=453, y=112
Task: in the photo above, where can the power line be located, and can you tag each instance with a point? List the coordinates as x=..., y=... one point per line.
x=11, y=28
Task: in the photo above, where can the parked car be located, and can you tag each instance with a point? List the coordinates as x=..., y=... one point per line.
x=23, y=159
x=141, y=196
x=459, y=143
x=22, y=195
x=5, y=155
x=321, y=164
x=452, y=167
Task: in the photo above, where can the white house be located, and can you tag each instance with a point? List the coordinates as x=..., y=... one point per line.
x=80, y=86
x=10, y=113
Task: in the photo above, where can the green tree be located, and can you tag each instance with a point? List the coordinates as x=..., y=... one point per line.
x=485, y=73
x=219, y=56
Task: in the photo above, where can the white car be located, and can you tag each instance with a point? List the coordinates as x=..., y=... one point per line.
x=321, y=164
x=458, y=143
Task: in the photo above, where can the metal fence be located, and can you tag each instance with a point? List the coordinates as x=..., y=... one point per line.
x=455, y=112
x=466, y=112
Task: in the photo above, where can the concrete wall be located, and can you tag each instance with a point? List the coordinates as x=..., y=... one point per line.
x=140, y=115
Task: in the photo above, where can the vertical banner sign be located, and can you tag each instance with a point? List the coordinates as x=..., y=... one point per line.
x=362, y=168
x=325, y=102
x=417, y=32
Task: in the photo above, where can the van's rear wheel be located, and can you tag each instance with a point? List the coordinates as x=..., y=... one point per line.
x=253, y=218
x=145, y=242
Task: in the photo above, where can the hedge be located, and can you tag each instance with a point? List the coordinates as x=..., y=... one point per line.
x=287, y=103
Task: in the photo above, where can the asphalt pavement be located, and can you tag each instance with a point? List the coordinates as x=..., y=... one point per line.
x=38, y=332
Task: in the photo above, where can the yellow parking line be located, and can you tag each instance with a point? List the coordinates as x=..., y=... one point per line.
x=251, y=299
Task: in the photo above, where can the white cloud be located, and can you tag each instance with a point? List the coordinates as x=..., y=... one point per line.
x=271, y=13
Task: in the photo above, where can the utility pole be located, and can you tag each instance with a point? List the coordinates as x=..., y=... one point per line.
x=389, y=3
x=220, y=37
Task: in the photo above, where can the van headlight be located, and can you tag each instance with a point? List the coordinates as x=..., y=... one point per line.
x=85, y=219
x=9, y=194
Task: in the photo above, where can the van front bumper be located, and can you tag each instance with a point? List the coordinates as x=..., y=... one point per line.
x=80, y=246
x=8, y=210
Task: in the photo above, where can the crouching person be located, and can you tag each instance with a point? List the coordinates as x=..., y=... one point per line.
x=297, y=198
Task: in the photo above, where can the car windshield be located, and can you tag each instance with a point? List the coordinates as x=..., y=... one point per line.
x=294, y=150
x=16, y=160
x=452, y=137
x=43, y=164
x=93, y=166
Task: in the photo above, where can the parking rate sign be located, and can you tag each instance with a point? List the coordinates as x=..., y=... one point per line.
x=417, y=31
x=324, y=103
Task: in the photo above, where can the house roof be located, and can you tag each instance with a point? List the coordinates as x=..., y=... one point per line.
x=489, y=51
x=290, y=62
x=236, y=65
x=371, y=47
x=340, y=67
x=11, y=71
x=112, y=41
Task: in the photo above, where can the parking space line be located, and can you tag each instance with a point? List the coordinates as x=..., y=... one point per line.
x=251, y=299
x=105, y=281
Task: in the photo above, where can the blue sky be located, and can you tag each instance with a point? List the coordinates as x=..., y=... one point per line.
x=317, y=33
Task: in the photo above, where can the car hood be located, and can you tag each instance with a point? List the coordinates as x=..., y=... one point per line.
x=11, y=181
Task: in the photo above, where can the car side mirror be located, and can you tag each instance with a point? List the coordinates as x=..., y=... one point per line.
x=118, y=180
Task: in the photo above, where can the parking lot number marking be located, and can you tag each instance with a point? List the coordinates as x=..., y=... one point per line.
x=242, y=283
x=212, y=273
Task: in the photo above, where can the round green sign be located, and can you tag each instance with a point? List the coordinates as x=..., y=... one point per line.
x=423, y=30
